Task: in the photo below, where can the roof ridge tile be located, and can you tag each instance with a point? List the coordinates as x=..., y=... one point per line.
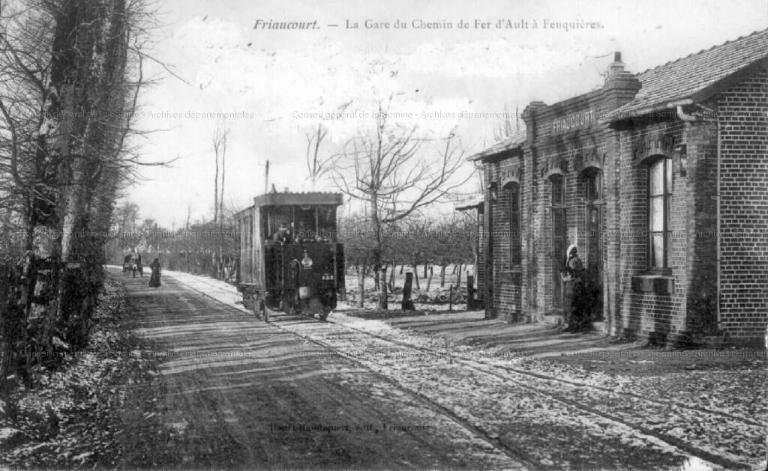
x=715, y=46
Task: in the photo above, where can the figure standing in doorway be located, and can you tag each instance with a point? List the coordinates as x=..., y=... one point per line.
x=577, y=315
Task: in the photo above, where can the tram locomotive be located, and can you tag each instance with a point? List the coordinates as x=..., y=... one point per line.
x=289, y=258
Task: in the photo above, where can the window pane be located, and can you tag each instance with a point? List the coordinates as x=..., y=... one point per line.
x=514, y=224
x=596, y=181
x=668, y=174
x=657, y=250
x=592, y=183
x=557, y=189
x=657, y=214
x=657, y=177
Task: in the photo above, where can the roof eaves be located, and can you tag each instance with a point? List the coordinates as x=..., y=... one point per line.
x=627, y=112
x=498, y=149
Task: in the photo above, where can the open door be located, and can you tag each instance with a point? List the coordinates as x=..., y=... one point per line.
x=559, y=238
x=594, y=218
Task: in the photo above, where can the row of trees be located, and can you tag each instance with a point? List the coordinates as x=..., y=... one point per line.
x=416, y=241
x=395, y=171
x=70, y=72
x=211, y=248
x=202, y=247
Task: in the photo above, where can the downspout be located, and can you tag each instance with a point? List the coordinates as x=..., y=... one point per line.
x=691, y=118
x=717, y=224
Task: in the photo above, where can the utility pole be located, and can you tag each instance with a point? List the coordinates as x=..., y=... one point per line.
x=266, y=178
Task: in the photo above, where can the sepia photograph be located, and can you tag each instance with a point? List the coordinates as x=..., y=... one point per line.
x=356, y=235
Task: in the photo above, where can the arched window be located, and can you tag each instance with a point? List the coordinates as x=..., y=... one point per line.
x=591, y=177
x=659, y=196
x=559, y=235
x=592, y=184
x=513, y=202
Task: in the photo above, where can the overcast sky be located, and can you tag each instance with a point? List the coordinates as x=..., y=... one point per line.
x=273, y=82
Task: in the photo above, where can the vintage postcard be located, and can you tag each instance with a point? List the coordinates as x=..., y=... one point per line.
x=383, y=235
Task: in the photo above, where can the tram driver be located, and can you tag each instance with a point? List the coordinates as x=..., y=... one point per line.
x=283, y=234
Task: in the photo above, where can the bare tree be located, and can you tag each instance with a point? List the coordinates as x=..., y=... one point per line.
x=388, y=169
x=69, y=78
x=317, y=164
x=508, y=125
x=223, y=178
x=219, y=141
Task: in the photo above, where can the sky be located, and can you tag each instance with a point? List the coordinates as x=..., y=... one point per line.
x=268, y=87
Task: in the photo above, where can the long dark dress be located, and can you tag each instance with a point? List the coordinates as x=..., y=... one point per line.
x=154, y=280
x=578, y=317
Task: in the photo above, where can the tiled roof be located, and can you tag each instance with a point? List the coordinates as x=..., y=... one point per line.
x=293, y=199
x=469, y=203
x=504, y=145
x=691, y=77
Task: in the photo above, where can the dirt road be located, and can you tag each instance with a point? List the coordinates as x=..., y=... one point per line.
x=232, y=391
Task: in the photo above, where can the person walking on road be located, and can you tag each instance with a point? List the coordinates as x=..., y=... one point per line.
x=154, y=279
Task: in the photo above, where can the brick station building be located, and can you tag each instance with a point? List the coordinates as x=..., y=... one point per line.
x=661, y=180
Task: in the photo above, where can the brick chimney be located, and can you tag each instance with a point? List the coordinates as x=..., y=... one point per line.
x=620, y=85
x=616, y=66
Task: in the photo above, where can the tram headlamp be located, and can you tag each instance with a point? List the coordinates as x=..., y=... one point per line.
x=306, y=262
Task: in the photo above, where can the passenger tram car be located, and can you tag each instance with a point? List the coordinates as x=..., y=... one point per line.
x=290, y=260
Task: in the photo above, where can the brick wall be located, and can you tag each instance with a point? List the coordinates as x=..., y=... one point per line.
x=673, y=304
x=676, y=304
x=743, y=117
x=505, y=278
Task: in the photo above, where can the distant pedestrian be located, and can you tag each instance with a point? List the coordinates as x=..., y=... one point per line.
x=139, y=266
x=154, y=279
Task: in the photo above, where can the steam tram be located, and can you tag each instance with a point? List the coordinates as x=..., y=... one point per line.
x=289, y=258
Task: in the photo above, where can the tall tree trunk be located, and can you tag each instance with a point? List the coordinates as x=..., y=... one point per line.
x=220, y=261
x=361, y=285
x=429, y=280
x=407, y=303
x=392, y=277
x=383, y=294
x=458, y=277
x=416, y=275
x=216, y=189
x=223, y=174
x=377, y=252
x=442, y=275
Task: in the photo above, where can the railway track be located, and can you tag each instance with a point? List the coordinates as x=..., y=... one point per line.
x=494, y=442
x=572, y=394
x=525, y=373
x=518, y=371
x=532, y=382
